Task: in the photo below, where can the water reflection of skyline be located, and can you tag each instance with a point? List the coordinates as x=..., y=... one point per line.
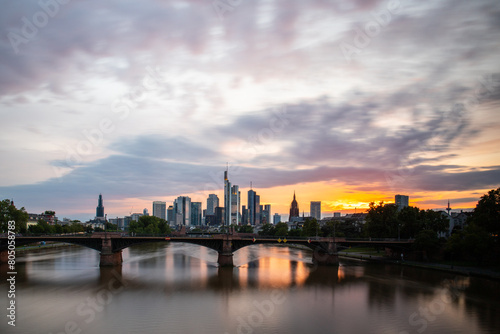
x=191, y=269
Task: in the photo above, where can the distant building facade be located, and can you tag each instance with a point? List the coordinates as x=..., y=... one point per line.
x=159, y=209
x=235, y=205
x=402, y=201
x=276, y=218
x=212, y=203
x=316, y=210
x=196, y=213
x=182, y=210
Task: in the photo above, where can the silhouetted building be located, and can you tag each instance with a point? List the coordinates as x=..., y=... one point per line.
x=244, y=215
x=99, y=211
x=219, y=216
x=294, y=209
x=402, y=201
x=276, y=218
x=210, y=220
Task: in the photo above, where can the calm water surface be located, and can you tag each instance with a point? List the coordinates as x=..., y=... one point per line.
x=178, y=288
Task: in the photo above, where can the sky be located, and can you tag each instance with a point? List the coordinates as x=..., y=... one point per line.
x=344, y=102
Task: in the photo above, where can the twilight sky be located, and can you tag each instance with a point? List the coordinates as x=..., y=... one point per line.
x=346, y=102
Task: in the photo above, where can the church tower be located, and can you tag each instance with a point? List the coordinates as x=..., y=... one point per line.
x=294, y=208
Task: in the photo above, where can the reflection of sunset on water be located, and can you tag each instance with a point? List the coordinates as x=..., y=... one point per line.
x=281, y=268
x=341, y=273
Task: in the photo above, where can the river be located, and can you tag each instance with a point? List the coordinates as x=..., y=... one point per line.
x=178, y=288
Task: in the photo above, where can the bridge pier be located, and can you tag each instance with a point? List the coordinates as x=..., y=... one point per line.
x=326, y=255
x=108, y=257
x=226, y=255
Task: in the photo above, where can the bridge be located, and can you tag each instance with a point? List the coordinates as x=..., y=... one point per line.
x=110, y=245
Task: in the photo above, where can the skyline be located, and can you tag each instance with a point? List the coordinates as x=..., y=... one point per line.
x=344, y=103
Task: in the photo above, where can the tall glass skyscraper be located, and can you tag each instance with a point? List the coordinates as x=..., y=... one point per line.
x=235, y=205
x=196, y=213
x=227, y=200
x=253, y=208
x=182, y=210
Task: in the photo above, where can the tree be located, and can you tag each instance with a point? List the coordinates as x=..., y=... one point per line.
x=281, y=229
x=486, y=215
x=310, y=228
x=246, y=229
x=150, y=225
x=9, y=212
x=267, y=229
x=382, y=220
x=42, y=227
x=435, y=221
x=427, y=242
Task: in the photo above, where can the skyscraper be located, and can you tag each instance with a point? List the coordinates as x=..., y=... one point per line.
x=316, y=209
x=196, y=213
x=294, y=209
x=99, y=211
x=170, y=215
x=402, y=201
x=244, y=215
x=265, y=214
x=235, y=205
x=159, y=209
x=212, y=203
x=227, y=200
x=276, y=218
x=253, y=208
x=182, y=210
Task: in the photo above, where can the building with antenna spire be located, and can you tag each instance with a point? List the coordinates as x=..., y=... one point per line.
x=227, y=198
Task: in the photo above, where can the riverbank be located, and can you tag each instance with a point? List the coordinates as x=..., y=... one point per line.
x=459, y=270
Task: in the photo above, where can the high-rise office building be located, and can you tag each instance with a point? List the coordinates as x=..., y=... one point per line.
x=253, y=208
x=196, y=213
x=276, y=218
x=402, y=201
x=159, y=209
x=170, y=215
x=227, y=199
x=99, y=211
x=235, y=205
x=219, y=216
x=265, y=213
x=212, y=203
x=244, y=215
x=316, y=209
x=294, y=209
x=182, y=210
